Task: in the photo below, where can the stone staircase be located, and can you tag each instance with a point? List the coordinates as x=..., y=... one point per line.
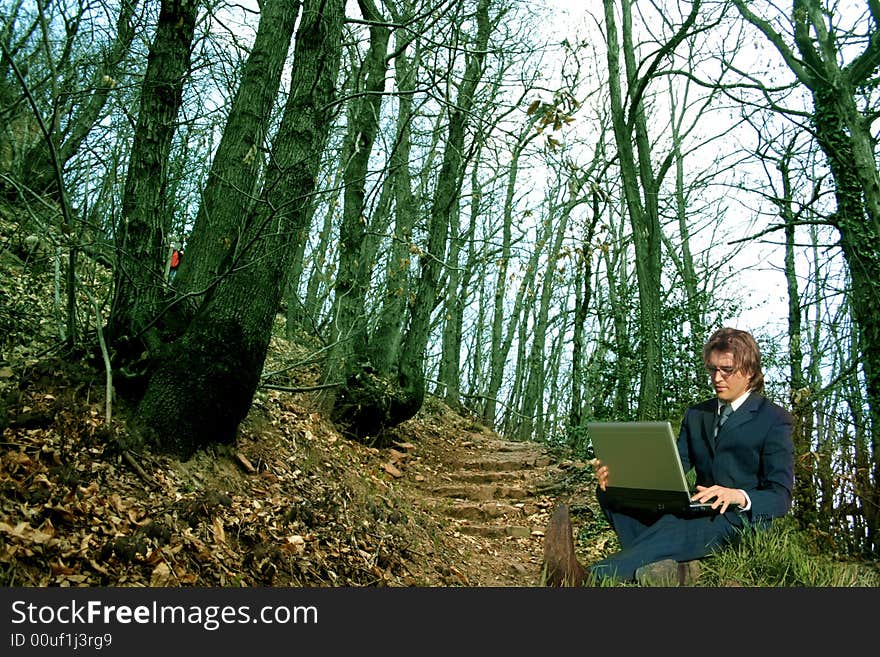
x=497, y=496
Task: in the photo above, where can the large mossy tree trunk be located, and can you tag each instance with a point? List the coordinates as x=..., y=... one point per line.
x=229, y=190
x=203, y=384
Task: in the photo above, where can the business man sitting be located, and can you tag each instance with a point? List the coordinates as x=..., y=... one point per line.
x=739, y=444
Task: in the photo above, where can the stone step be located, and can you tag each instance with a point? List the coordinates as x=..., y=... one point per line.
x=482, y=491
x=484, y=511
x=509, y=446
x=486, y=476
x=496, y=531
x=505, y=462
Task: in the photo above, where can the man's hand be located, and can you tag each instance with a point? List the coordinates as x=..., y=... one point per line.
x=724, y=497
x=601, y=473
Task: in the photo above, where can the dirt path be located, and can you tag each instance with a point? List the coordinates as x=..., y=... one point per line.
x=495, y=498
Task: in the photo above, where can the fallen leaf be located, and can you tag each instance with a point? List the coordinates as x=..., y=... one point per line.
x=460, y=575
x=245, y=462
x=218, y=531
x=19, y=458
x=161, y=576
x=117, y=504
x=61, y=513
x=25, y=532
x=295, y=544
x=397, y=456
x=61, y=569
x=99, y=568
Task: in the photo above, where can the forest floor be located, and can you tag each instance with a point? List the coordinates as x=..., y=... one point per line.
x=291, y=503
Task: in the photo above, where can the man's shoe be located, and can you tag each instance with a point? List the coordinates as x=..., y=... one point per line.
x=668, y=573
x=659, y=573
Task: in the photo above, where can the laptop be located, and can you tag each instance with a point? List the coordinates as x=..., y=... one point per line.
x=645, y=470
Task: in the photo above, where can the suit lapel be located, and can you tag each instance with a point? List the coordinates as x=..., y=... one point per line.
x=709, y=425
x=739, y=417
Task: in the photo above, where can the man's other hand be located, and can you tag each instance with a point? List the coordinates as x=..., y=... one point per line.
x=601, y=473
x=724, y=497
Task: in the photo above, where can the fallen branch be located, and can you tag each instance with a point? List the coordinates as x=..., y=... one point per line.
x=139, y=470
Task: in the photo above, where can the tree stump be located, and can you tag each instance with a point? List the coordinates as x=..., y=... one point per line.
x=561, y=567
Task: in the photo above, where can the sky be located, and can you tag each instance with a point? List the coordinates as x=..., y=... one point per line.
x=755, y=270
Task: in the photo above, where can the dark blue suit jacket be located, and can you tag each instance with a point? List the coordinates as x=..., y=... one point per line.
x=753, y=452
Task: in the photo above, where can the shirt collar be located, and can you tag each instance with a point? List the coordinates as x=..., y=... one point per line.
x=736, y=403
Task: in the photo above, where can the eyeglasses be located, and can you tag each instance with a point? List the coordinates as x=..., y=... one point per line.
x=725, y=371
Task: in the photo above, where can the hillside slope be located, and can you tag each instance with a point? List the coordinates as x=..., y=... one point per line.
x=290, y=504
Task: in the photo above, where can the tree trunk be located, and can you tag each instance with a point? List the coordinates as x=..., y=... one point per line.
x=385, y=341
x=453, y=315
x=203, y=384
x=532, y=407
x=695, y=299
x=844, y=135
x=641, y=184
x=561, y=566
x=349, y=326
x=321, y=277
x=545, y=425
x=369, y=404
x=231, y=182
x=620, y=292
x=511, y=418
x=501, y=344
x=799, y=395
x=138, y=278
x=583, y=297
x=642, y=214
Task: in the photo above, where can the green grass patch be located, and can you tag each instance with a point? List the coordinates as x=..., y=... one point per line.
x=781, y=556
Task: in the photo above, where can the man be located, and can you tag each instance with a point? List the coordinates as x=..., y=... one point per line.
x=745, y=469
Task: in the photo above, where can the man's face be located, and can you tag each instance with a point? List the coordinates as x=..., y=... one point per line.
x=729, y=382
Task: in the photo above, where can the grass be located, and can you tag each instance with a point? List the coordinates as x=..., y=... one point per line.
x=781, y=556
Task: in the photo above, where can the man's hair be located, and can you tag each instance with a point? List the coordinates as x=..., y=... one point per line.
x=745, y=352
